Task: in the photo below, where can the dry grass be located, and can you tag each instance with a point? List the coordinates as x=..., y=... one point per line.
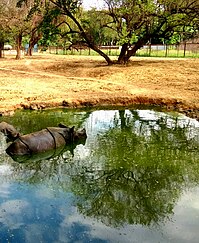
x=50, y=80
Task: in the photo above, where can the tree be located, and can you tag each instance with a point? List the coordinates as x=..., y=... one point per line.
x=95, y=24
x=35, y=33
x=43, y=18
x=32, y=19
x=18, y=20
x=2, y=40
x=133, y=22
x=137, y=22
x=14, y=21
x=71, y=9
x=4, y=25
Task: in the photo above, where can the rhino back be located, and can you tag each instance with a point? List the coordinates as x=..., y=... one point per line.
x=41, y=141
x=61, y=135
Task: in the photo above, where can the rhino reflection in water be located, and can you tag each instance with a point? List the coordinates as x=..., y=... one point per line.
x=45, y=140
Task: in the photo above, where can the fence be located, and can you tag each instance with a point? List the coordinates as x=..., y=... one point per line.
x=83, y=50
x=181, y=50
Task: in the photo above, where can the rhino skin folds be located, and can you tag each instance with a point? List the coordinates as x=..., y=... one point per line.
x=44, y=140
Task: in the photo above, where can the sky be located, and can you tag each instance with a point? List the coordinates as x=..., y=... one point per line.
x=93, y=3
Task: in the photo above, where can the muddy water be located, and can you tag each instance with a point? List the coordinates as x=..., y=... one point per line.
x=134, y=180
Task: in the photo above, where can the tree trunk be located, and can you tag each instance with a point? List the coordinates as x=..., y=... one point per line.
x=33, y=40
x=30, y=48
x=136, y=47
x=101, y=53
x=122, y=119
x=86, y=38
x=122, y=56
x=126, y=53
x=1, y=49
x=18, y=43
x=29, y=51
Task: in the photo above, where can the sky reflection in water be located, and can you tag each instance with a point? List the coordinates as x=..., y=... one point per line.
x=135, y=180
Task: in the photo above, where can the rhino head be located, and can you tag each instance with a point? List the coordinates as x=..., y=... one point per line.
x=9, y=131
x=77, y=136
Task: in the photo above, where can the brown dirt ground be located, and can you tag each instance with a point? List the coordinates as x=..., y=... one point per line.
x=45, y=80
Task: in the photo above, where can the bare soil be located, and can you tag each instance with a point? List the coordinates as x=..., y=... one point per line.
x=45, y=81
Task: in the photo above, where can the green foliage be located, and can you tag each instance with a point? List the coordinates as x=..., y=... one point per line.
x=49, y=26
x=95, y=23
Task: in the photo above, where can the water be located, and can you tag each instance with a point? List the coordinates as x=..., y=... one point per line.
x=135, y=180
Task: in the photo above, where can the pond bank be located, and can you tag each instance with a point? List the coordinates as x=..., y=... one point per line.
x=169, y=105
x=47, y=81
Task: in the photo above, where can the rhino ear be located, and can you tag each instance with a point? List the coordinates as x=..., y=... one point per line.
x=62, y=125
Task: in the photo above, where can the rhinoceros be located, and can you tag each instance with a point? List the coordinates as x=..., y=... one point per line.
x=9, y=131
x=47, y=139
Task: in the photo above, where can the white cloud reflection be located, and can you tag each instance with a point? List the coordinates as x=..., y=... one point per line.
x=184, y=225
x=87, y=4
x=12, y=212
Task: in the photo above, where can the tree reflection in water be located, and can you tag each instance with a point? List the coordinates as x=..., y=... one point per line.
x=133, y=172
x=137, y=170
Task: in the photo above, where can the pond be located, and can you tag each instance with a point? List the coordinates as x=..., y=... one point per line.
x=136, y=179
